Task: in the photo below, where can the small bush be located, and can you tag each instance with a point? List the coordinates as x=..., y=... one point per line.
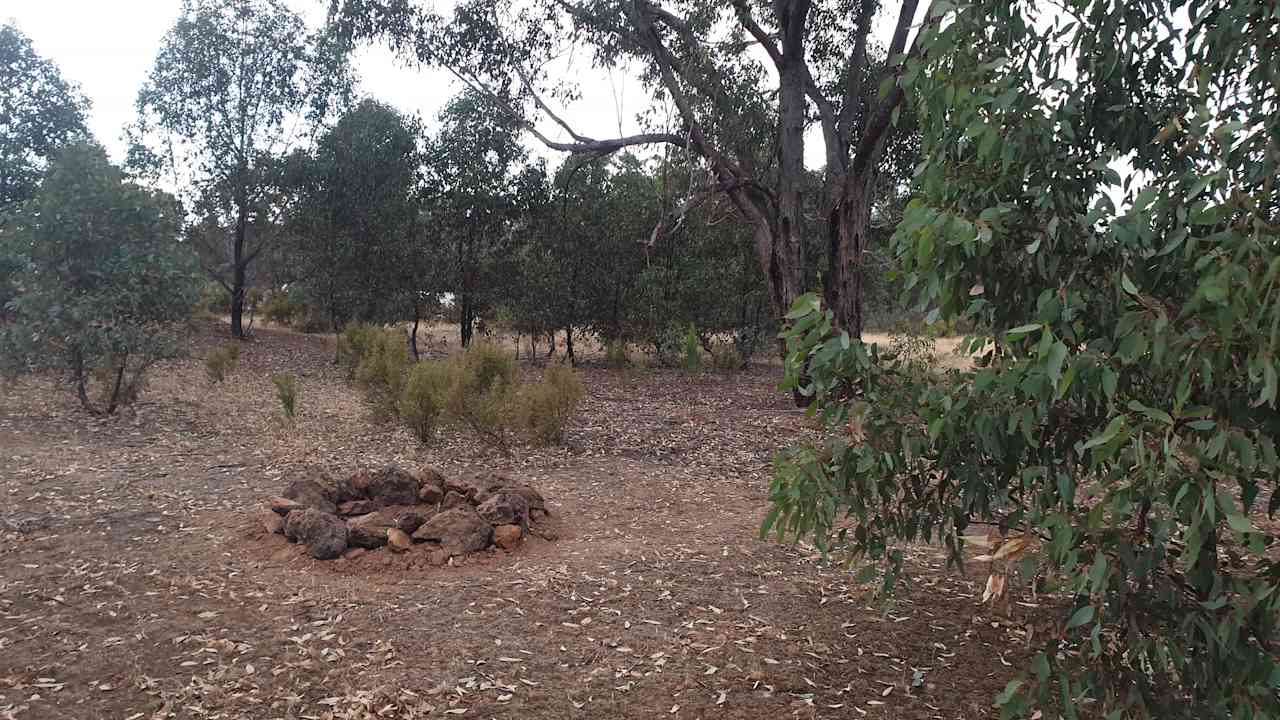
x=213, y=299
x=282, y=309
x=287, y=391
x=424, y=398
x=547, y=406
x=690, y=350
x=483, y=392
x=725, y=356
x=615, y=354
x=354, y=343
x=221, y=362
x=382, y=371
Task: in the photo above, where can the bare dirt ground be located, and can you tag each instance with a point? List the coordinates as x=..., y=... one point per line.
x=135, y=582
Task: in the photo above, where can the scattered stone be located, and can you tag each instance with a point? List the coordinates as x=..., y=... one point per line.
x=311, y=494
x=324, y=534
x=505, y=508
x=272, y=523
x=507, y=537
x=357, y=507
x=398, y=540
x=283, y=505
x=460, y=530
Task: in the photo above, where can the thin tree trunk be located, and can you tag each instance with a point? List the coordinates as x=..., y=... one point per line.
x=238, y=269
x=115, y=390
x=413, y=334
x=568, y=344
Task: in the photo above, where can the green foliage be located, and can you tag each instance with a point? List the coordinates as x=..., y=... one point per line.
x=283, y=308
x=104, y=286
x=213, y=299
x=547, y=406
x=221, y=362
x=42, y=112
x=425, y=395
x=484, y=391
x=382, y=371
x=1121, y=418
x=690, y=350
x=231, y=89
x=355, y=342
x=286, y=392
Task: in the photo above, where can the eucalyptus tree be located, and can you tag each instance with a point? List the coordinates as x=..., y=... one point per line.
x=40, y=111
x=1116, y=441
x=235, y=86
x=353, y=215
x=743, y=78
x=107, y=283
x=479, y=187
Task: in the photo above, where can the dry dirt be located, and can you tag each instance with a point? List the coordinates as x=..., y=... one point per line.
x=135, y=583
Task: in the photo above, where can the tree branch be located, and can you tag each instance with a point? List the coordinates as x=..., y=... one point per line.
x=873, y=135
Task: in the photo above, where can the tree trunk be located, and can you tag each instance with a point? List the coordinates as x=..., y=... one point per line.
x=239, y=264
x=464, y=318
x=849, y=222
x=413, y=334
x=568, y=344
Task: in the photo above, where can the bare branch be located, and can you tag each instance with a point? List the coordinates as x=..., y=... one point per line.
x=872, y=143
x=855, y=71
x=757, y=32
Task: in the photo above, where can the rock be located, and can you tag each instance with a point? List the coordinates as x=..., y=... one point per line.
x=438, y=557
x=453, y=499
x=430, y=493
x=460, y=530
x=354, y=487
x=311, y=494
x=428, y=475
x=357, y=507
x=505, y=508
x=393, y=486
x=283, y=505
x=324, y=534
x=532, y=497
x=507, y=537
x=370, y=531
x=354, y=553
x=410, y=519
x=398, y=540
x=272, y=523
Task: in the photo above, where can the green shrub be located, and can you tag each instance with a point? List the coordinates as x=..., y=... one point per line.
x=615, y=354
x=222, y=361
x=287, y=392
x=382, y=371
x=483, y=392
x=282, y=309
x=425, y=395
x=725, y=356
x=354, y=342
x=547, y=406
x=690, y=350
x=213, y=299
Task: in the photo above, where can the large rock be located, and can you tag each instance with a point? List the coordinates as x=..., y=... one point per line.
x=325, y=535
x=479, y=486
x=398, y=541
x=370, y=531
x=457, y=531
x=357, y=507
x=283, y=505
x=508, y=537
x=312, y=494
x=430, y=494
x=428, y=475
x=453, y=499
x=410, y=519
x=387, y=486
x=532, y=497
x=505, y=508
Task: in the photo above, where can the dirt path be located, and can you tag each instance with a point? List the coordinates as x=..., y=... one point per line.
x=135, y=584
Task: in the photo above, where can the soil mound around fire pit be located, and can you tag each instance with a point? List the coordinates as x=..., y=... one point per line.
x=392, y=509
